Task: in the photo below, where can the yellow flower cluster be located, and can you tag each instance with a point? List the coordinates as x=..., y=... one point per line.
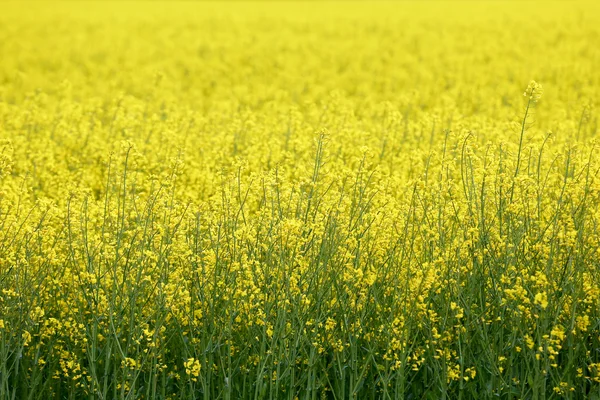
x=292, y=200
x=192, y=368
x=534, y=91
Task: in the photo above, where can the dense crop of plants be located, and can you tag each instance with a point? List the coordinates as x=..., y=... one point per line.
x=299, y=200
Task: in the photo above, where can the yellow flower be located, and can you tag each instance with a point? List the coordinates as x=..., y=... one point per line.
x=26, y=338
x=129, y=363
x=541, y=299
x=534, y=91
x=192, y=368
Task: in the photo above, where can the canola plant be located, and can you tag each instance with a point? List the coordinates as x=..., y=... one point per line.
x=299, y=200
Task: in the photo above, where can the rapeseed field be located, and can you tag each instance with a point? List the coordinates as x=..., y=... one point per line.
x=299, y=200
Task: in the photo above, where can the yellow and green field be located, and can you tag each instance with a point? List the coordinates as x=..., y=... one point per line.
x=299, y=200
